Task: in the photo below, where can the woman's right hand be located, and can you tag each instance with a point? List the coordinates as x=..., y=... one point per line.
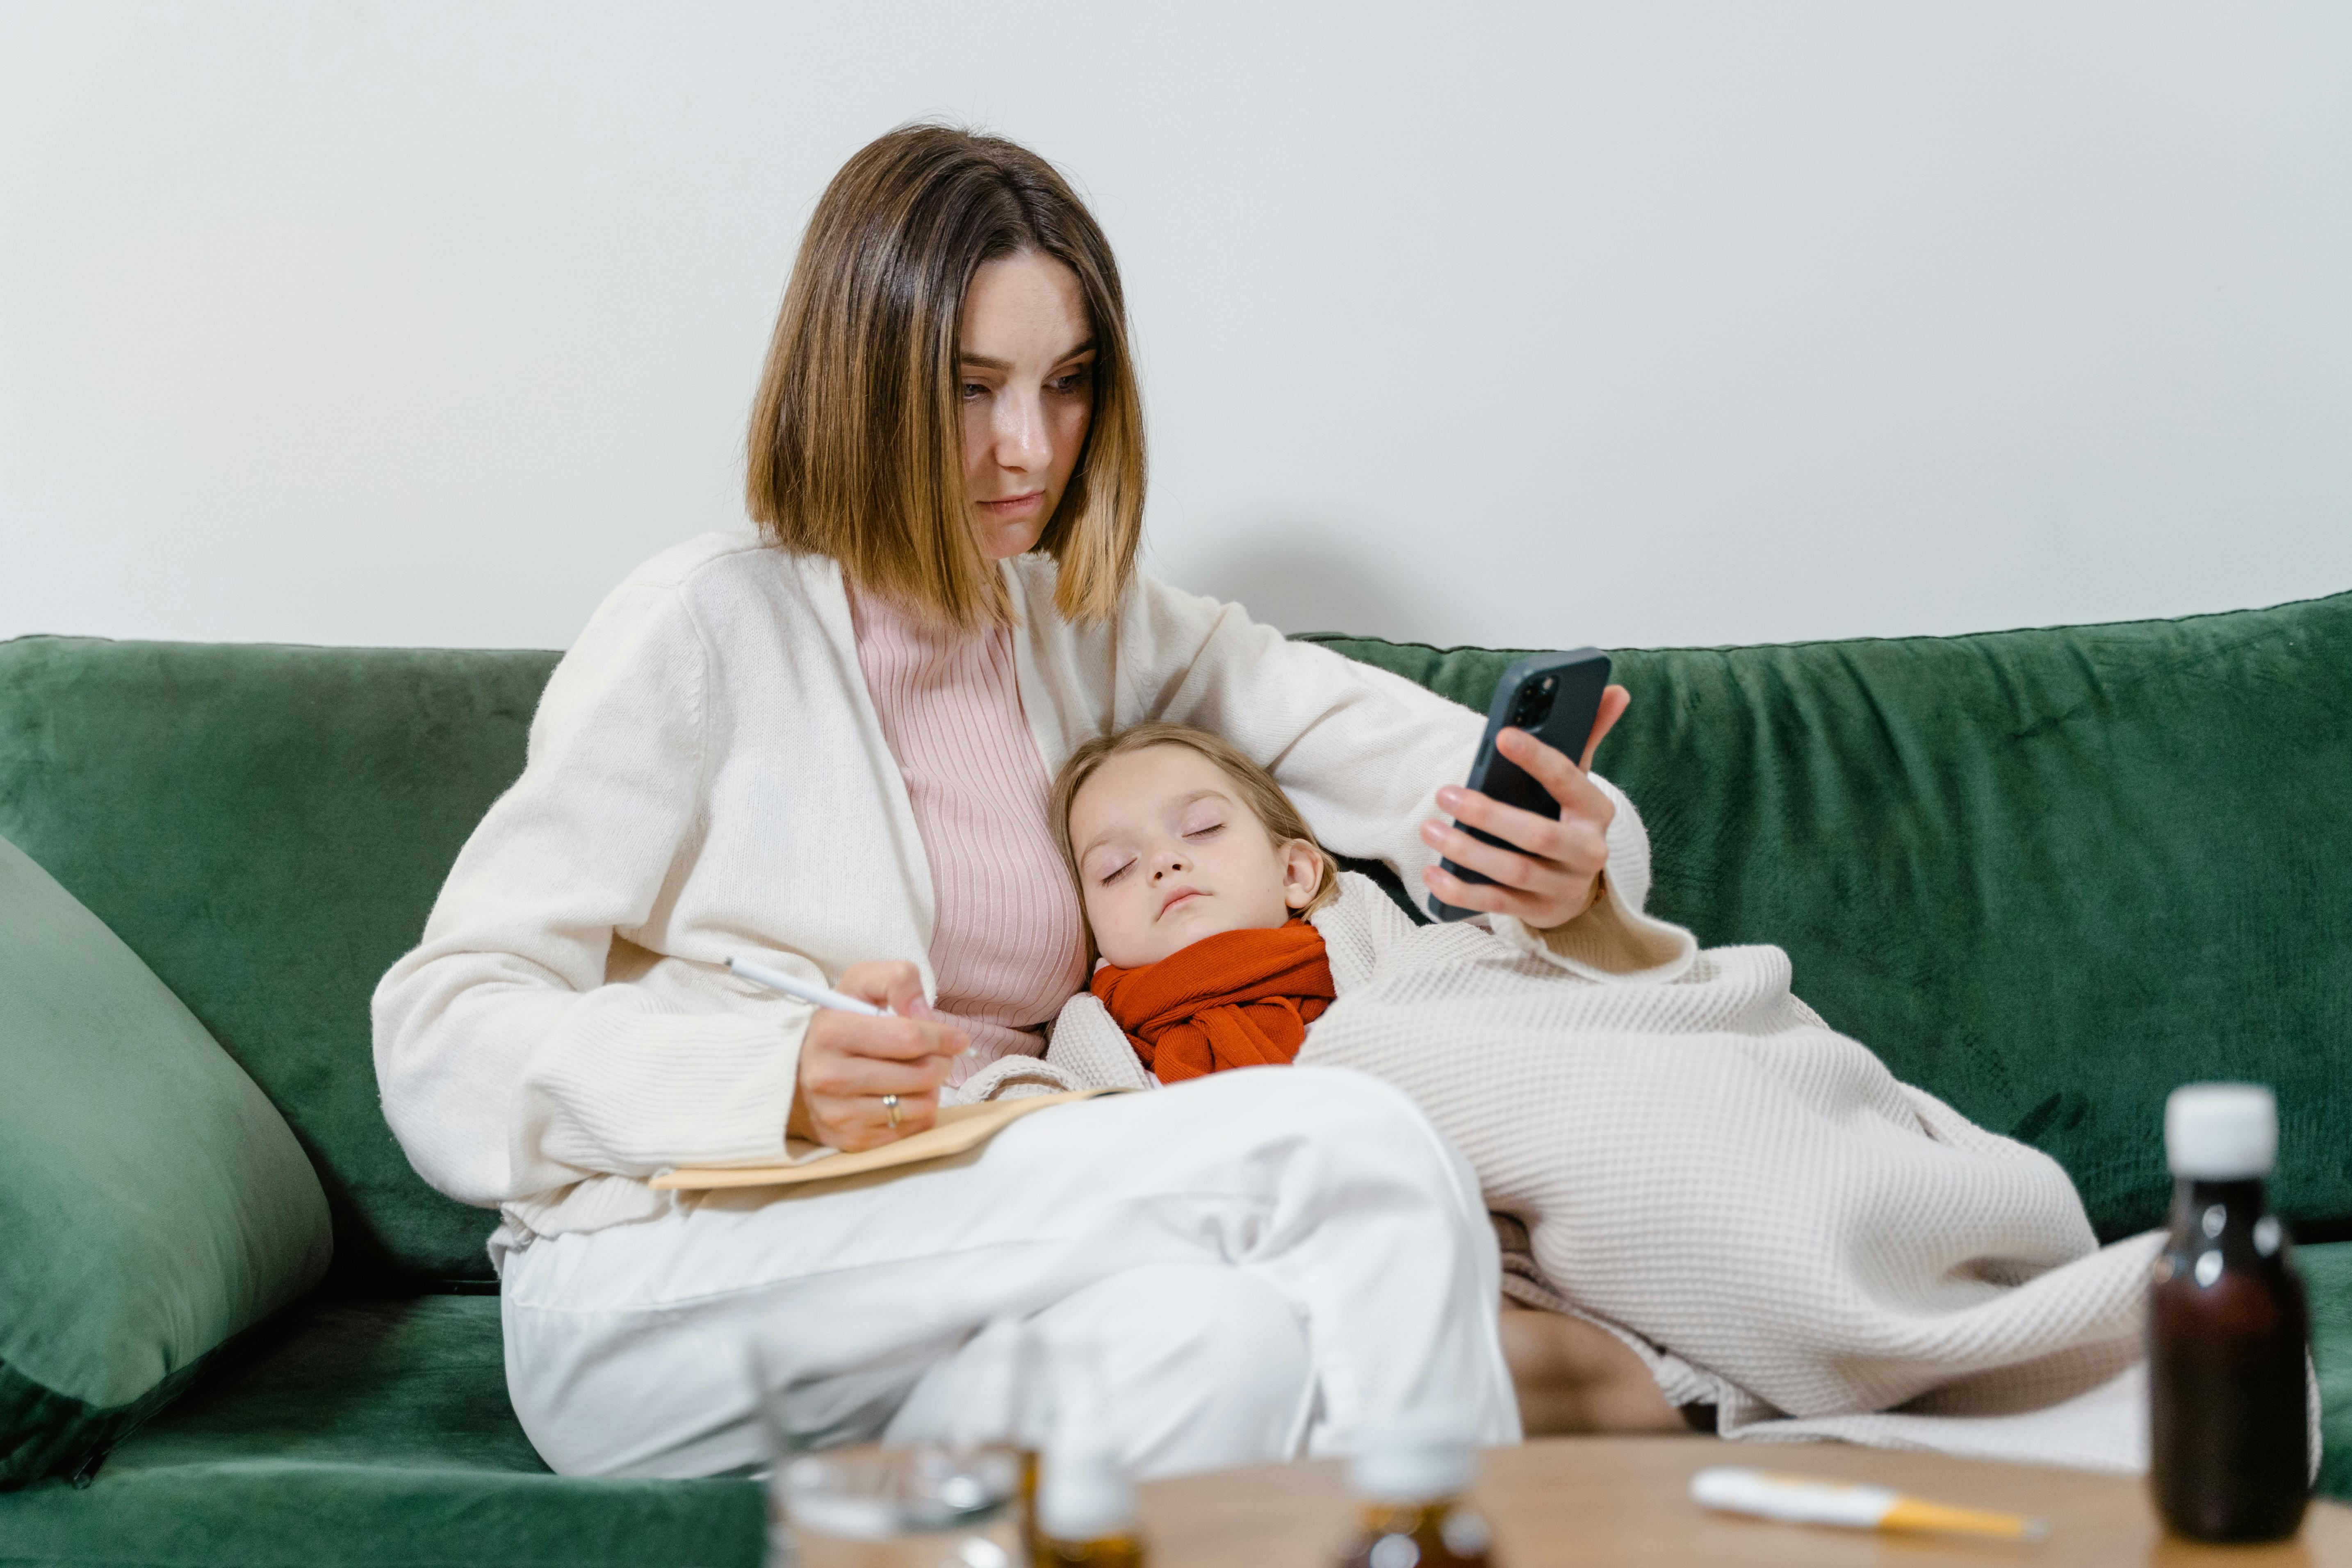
x=849, y=1061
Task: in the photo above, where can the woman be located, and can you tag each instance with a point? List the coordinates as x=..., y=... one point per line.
x=827, y=747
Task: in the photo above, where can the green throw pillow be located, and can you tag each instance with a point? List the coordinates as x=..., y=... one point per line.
x=153, y=1202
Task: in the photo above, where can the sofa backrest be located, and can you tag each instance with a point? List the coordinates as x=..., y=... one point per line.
x=268, y=827
x=2047, y=875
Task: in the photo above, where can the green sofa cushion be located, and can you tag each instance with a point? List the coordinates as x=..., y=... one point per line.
x=152, y=1203
x=266, y=828
x=368, y=1433
x=2046, y=875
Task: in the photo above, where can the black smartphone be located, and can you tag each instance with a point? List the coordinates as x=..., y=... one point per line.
x=1555, y=697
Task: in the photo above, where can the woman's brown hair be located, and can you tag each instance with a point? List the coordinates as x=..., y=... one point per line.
x=1264, y=797
x=856, y=448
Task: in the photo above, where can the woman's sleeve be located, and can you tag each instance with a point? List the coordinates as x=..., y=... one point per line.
x=1363, y=753
x=1617, y=939
x=507, y=1066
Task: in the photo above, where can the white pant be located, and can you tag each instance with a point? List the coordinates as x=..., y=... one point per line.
x=1268, y=1261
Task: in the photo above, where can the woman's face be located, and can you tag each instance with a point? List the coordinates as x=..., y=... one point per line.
x=1027, y=388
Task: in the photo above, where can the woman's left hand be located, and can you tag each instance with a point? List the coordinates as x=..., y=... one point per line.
x=1547, y=878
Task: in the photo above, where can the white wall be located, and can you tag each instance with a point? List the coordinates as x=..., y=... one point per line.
x=1631, y=323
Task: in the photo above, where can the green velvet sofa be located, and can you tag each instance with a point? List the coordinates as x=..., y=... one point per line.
x=2048, y=874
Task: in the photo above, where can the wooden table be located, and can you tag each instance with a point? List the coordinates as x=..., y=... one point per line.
x=1589, y=1502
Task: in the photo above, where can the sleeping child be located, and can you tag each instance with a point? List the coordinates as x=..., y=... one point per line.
x=1698, y=1165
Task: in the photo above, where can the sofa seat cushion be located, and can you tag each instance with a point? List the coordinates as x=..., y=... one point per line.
x=367, y=1432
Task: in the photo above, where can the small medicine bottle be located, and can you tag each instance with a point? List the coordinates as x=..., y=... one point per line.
x=2229, y=1421
x=1085, y=1511
x=1410, y=1484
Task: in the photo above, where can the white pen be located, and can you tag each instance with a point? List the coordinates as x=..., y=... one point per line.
x=806, y=990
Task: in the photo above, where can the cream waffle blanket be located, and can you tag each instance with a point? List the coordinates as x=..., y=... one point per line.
x=1679, y=1150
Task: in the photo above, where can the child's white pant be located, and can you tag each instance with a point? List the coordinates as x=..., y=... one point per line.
x=1268, y=1261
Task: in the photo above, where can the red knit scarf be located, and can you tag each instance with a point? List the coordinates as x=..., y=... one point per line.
x=1238, y=999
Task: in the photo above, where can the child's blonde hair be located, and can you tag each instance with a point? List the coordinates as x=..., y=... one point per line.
x=1258, y=791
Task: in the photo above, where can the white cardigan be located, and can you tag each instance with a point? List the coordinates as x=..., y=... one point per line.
x=706, y=776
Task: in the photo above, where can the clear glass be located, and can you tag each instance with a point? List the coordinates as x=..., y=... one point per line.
x=1003, y=1401
x=918, y=1505
x=950, y=1504
x=1023, y=1391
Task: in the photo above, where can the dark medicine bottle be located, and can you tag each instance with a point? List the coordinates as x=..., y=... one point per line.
x=2229, y=1426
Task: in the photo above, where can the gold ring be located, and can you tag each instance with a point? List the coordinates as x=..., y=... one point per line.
x=890, y=1104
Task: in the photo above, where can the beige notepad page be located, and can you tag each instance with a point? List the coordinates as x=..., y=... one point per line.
x=959, y=1128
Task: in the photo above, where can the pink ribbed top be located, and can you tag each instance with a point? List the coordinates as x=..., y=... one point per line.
x=1008, y=946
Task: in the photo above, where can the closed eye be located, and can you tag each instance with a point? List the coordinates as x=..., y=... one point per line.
x=1212, y=829
x=1107, y=878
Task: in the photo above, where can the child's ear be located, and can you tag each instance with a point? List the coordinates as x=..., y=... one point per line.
x=1302, y=871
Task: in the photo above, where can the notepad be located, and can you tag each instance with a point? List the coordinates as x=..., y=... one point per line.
x=959, y=1128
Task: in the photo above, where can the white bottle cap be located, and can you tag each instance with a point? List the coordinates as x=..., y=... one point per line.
x=1411, y=1464
x=1085, y=1495
x=2221, y=1132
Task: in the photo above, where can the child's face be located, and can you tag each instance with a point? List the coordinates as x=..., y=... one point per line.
x=1168, y=854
